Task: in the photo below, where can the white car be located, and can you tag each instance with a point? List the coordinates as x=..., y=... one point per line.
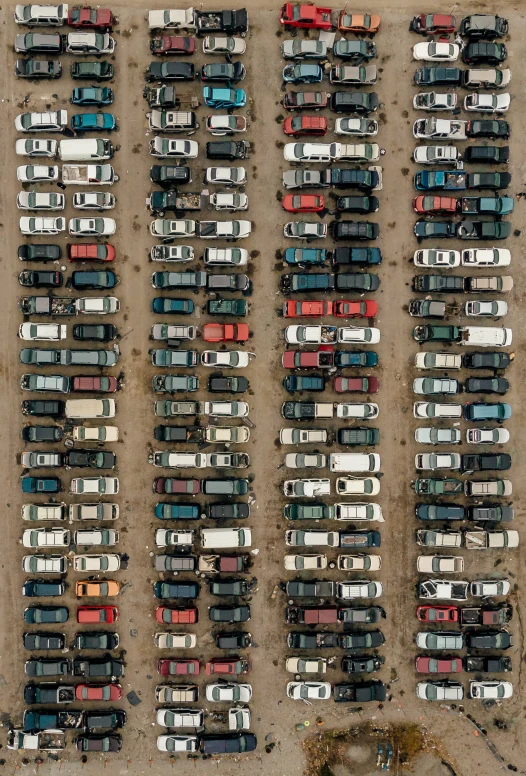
x=166, y=331
x=39, y=460
x=37, y=173
x=226, y=257
x=172, y=743
x=41, y=15
x=308, y=335
x=484, y=588
x=36, y=148
x=358, y=486
x=239, y=718
x=41, y=225
x=98, y=305
x=50, y=121
x=223, y=45
x=484, y=257
x=430, y=409
x=304, y=49
x=92, y=227
x=312, y=538
x=440, y=691
x=172, y=253
x=228, y=460
x=436, y=461
x=311, y=152
x=165, y=537
x=90, y=43
x=172, y=19
x=226, y=434
x=305, y=461
x=486, y=309
x=175, y=640
x=487, y=103
x=493, y=690
x=169, y=148
x=303, y=436
x=356, y=127
x=429, y=360
x=224, y=409
x=167, y=227
x=312, y=691
x=440, y=640
x=180, y=718
x=366, y=411
x=229, y=200
x=305, y=230
x=305, y=562
x=437, y=538
x=224, y=230
x=442, y=564
x=45, y=564
x=487, y=436
x=229, y=359
x=359, y=512
x=359, y=588
x=307, y=488
x=432, y=435
x=431, y=385
x=306, y=665
x=96, y=537
x=89, y=563
x=436, y=257
x=95, y=433
x=228, y=692
x=226, y=176
x=362, y=75
x=108, y=486
x=436, y=52
x=360, y=562
x=361, y=334
x=40, y=200
x=435, y=101
x=46, y=537
x=226, y=125
x=93, y=200
x=45, y=332
x=359, y=152
x=436, y=155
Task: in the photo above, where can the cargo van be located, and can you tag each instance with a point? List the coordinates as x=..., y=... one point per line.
x=216, y=538
x=354, y=462
x=90, y=408
x=486, y=336
x=85, y=149
x=44, y=512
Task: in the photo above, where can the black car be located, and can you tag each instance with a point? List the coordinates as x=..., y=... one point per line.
x=39, y=408
x=229, y=150
x=485, y=462
x=228, y=384
x=488, y=180
x=112, y=719
x=492, y=54
x=361, y=664
x=357, y=204
x=168, y=175
x=486, y=385
x=313, y=640
x=228, y=743
x=487, y=154
x=32, y=252
x=103, y=667
x=355, y=51
x=490, y=513
x=45, y=588
x=361, y=639
x=229, y=587
x=234, y=640
x=354, y=102
x=96, y=640
x=438, y=76
x=344, y=178
x=238, y=510
x=492, y=128
x=489, y=640
x=172, y=589
x=95, y=743
x=176, y=433
x=44, y=640
x=91, y=71
x=229, y=613
x=43, y=615
x=37, y=68
x=488, y=665
x=361, y=614
x=484, y=27
x=170, y=71
x=358, y=436
x=92, y=459
x=100, y=332
x=359, y=693
x=440, y=284
x=94, y=279
x=356, y=281
x=354, y=230
x=294, y=383
x=441, y=230
x=223, y=72
x=489, y=360
x=360, y=256
x=40, y=279
x=48, y=666
x=439, y=512
x=42, y=433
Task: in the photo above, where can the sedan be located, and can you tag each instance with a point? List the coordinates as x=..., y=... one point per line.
x=435, y=205
x=487, y=103
x=313, y=691
x=440, y=691
x=486, y=385
x=303, y=203
x=228, y=692
x=180, y=666
x=226, y=358
x=437, y=436
x=442, y=230
x=356, y=385
x=92, y=227
x=92, y=95
x=431, y=386
x=432, y=101
x=230, y=72
x=305, y=230
x=96, y=200
x=37, y=173
x=436, y=52
x=486, y=309
x=434, y=257
x=302, y=73
x=434, y=665
x=30, y=225
x=37, y=68
x=487, y=436
x=98, y=692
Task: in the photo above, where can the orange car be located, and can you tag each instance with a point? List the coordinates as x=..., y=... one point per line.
x=358, y=22
x=106, y=587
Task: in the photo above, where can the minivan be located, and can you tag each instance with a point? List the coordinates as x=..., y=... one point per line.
x=85, y=149
x=43, y=512
x=90, y=408
x=216, y=538
x=354, y=462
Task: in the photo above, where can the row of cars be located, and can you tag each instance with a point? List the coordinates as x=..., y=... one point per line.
x=317, y=350
x=74, y=411
x=479, y=504
x=220, y=417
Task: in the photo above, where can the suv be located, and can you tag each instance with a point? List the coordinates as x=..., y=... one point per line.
x=354, y=230
x=484, y=27
x=438, y=76
x=484, y=53
x=354, y=102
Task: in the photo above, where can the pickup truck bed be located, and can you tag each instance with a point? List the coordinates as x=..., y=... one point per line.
x=47, y=305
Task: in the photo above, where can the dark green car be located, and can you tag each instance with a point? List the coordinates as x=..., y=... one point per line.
x=317, y=511
x=237, y=307
x=92, y=71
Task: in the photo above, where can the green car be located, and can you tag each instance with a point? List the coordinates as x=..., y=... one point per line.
x=92, y=71
x=237, y=307
x=316, y=511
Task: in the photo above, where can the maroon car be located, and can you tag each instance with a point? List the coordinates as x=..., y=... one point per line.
x=433, y=23
x=171, y=485
x=305, y=100
x=84, y=17
x=233, y=666
x=356, y=384
x=435, y=665
x=172, y=44
x=182, y=666
x=313, y=359
x=102, y=384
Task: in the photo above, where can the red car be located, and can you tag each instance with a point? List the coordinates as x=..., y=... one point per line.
x=305, y=125
x=427, y=203
x=308, y=359
x=435, y=665
x=171, y=485
x=171, y=44
x=234, y=666
x=308, y=17
x=187, y=615
x=439, y=614
x=303, y=203
x=98, y=692
x=97, y=614
x=356, y=385
x=182, y=666
x=433, y=23
x=225, y=332
x=305, y=100
x=84, y=17
x=306, y=309
x=91, y=252
x=102, y=384
x=366, y=309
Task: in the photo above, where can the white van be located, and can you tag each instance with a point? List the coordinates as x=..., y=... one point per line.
x=486, y=336
x=43, y=512
x=217, y=538
x=354, y=462
x=85, y=149
x=90, y=408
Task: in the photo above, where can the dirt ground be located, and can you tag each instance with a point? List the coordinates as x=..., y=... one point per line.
x=274, y=717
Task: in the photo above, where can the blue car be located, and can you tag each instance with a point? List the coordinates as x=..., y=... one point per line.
x=302, y=73
x=92, y=95
x=41, y=485
x=480, y=411
x=345, y=358
x=165, y=511
x=172, y=306
x=301, y=256
x=93, y=122
x=303, y=383
x=224, y=98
